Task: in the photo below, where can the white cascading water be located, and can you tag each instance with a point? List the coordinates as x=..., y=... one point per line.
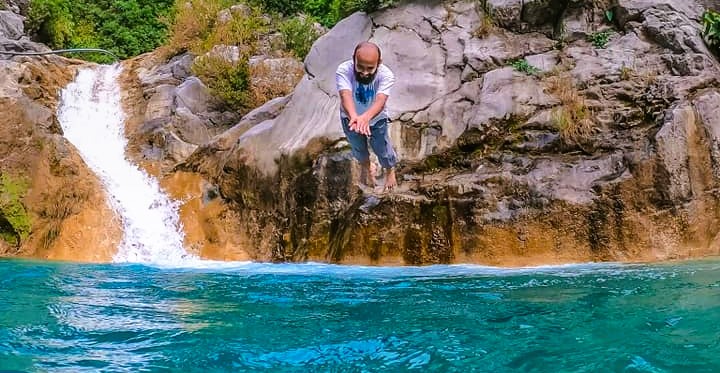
x=92, y=119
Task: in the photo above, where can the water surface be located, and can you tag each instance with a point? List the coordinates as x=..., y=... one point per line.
x=60, y=317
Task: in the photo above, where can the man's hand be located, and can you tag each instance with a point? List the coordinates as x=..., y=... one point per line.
x=360, y=124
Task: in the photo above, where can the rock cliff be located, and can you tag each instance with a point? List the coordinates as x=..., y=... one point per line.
x=529, y=132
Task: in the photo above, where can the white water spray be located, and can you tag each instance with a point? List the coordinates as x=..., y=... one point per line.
x=92, y=119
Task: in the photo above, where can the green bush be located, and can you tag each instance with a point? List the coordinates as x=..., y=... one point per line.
x=299, y=35
x=227, y=80
x=711, y=28
x=327, y=12
x=14, y=219
x=124, y=27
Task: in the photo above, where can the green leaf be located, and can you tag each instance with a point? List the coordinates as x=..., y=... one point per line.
x=609, y=14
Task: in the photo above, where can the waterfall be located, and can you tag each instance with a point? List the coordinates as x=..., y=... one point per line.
x=92, y=119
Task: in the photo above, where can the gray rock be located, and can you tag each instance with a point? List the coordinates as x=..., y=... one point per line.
x=506, y=13
x=176, y=149
x=707, y=106
x=506, y=92
x=498, y=49
x=180, y=66
x=335, y=47
x=16, y=6
x=195, y=96
x=674, y=30
x=279, y=72
x=541, y=12
x=189, y=127
x=264, y=113
x=11, y=25
x=420, y=17
x=573, y=182
x=229, y=53
x=419, y=68
x=673, y=141
x=161, y=103
x=545, y=62
x=24, y=44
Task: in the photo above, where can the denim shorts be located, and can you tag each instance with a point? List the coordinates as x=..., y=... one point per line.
x=379, y=142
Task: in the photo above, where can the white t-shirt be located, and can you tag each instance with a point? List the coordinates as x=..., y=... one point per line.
x=364, y=94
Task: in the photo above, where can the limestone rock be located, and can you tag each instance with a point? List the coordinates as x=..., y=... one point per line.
x=507, y=93
x=195, y=96
x=161, y=103
x=189, y=127
x=498, y=49
x=11, y=25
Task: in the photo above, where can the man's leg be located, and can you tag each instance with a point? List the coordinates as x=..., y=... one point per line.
x=381, y=145
x=359, y=147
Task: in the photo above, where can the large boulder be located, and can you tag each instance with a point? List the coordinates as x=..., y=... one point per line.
x=11, y=25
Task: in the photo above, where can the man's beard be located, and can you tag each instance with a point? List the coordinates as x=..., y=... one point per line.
x=365, y=80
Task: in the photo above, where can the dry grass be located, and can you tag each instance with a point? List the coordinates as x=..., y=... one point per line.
x=268, y=83
x=56, y=208
x=241, y=30
x=486, y=26
x=194, y=20
x=197, y=28
x=572, y=118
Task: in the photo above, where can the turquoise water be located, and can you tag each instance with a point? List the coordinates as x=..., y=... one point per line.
x=61, y=317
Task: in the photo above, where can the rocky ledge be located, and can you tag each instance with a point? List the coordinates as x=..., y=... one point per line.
x=530, y=132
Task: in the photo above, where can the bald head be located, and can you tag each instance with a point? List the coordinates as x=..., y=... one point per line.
x=367, y=51
x=367, y=59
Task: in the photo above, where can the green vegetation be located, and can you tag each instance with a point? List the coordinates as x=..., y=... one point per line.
x=609, y=15
x=124, y=27
x=600, y=39
x=131, y=27
x=299, y=35
x=327, y=12
x=711, y=28
x=227, y=80
x=523, y=66
x=14, y=220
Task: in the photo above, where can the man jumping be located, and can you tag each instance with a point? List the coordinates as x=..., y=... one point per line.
x=364, y=83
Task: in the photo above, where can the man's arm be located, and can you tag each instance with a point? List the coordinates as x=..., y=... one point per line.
x=346, y=100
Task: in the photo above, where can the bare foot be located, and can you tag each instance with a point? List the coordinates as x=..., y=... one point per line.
x=390, y=180
x=367, y=176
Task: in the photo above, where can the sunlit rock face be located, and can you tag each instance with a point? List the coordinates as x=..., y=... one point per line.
x=601, y=146
x=529, y=132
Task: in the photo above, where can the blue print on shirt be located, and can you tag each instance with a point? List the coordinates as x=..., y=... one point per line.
x=364, y=93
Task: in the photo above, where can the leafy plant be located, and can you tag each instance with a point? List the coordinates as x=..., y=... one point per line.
x=600, y=39
x=228, y=80
x=711, y=28
x=609, y=15
x=14, y=220
x=124, y=27
x=523, y=66
x=299, y=34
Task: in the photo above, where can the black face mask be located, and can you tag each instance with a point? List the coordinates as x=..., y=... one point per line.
x=366, y=80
